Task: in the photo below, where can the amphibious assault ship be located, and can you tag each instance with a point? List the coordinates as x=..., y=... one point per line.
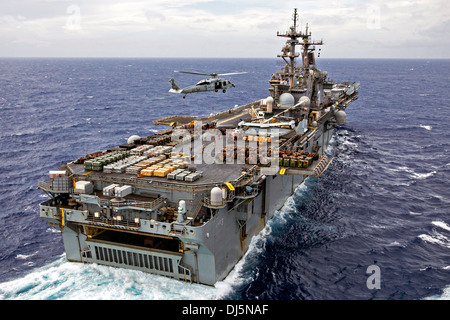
x=185, y=202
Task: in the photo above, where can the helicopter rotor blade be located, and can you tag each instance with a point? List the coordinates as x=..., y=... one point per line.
x=229, y=74
x=210, y=74
x=202, y=74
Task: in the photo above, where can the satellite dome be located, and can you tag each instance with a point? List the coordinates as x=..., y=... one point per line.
x=286, y=100
x=341, y=117
x=133, y=138
x=269, y=99
x=305, y=101
x=216, y=196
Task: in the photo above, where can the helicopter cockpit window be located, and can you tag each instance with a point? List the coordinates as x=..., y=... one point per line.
x=202, y=83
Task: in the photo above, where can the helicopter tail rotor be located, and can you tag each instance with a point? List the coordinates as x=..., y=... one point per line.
x=175, y=88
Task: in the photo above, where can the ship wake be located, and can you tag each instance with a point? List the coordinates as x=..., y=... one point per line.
x=61, y=280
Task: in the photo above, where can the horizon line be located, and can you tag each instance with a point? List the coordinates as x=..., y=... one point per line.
x=125, y=57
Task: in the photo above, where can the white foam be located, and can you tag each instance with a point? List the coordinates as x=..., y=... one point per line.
x=441, y=224
x=426, y=127
x=395, y=244
x=52, y=230
x=25, y=256
x=73, y=281
x=414, y=174
x=423, y=175
x=436, y=238
x=349, y=143
x=444, y=296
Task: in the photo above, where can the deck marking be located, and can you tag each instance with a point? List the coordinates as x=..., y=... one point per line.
x=226, y=120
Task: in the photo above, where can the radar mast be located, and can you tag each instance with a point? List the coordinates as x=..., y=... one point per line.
x=288, y=51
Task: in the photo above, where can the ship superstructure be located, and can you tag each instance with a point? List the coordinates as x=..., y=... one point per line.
x=185, y=202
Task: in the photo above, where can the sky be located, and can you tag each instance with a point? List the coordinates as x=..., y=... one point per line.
x=228, y=28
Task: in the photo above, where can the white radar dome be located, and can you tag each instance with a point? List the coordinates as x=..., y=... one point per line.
x=286, y=100
x=216, y=196
x=133, y=139
x=341, y=117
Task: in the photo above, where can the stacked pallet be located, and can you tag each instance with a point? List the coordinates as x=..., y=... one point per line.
x=185, y=175
x=98, y=163
x=158, y=151
x=140, y=150
x=134, y=169
x=298, y=159
x=121, y=165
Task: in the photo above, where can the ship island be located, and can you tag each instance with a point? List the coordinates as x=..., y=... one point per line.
x=186, y=201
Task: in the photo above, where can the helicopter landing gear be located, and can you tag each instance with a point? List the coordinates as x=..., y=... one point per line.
x=184, y=97
x=224, y=91
x=216, y=90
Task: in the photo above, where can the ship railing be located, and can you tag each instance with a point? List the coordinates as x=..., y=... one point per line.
x=195, y=210
x=115, y=221
x=231, y=195
x=176, y=228
x=243, y=194
x=55, y=187
x=213, y=205
x=322, y=166
x=103, y=202
x=248, y=176
x=145, y=205
x=139, y=204
x=197, y=186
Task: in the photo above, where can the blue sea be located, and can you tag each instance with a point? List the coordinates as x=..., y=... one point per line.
x=384, y=202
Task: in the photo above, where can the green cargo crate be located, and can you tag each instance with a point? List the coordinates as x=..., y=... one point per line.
x=293, y=162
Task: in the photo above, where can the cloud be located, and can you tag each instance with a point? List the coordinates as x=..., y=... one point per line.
x=350, y=28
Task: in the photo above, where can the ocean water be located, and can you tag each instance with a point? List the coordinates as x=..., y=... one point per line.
x=384, y=201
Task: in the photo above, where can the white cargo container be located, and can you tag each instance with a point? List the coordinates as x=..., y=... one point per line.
x=56, y=174
x=84, y=187
x=108, y=191
x=123, y=191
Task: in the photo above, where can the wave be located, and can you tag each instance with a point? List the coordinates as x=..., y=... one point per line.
x=426, y=127
x=436, y=238
x=441, y=224
x=61, y=280
x=412, y=173
x=444, y=296
x=242, y=272
x=423, y=175
x=26, y=256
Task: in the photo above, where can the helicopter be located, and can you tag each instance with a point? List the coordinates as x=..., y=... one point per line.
x=210, y=84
